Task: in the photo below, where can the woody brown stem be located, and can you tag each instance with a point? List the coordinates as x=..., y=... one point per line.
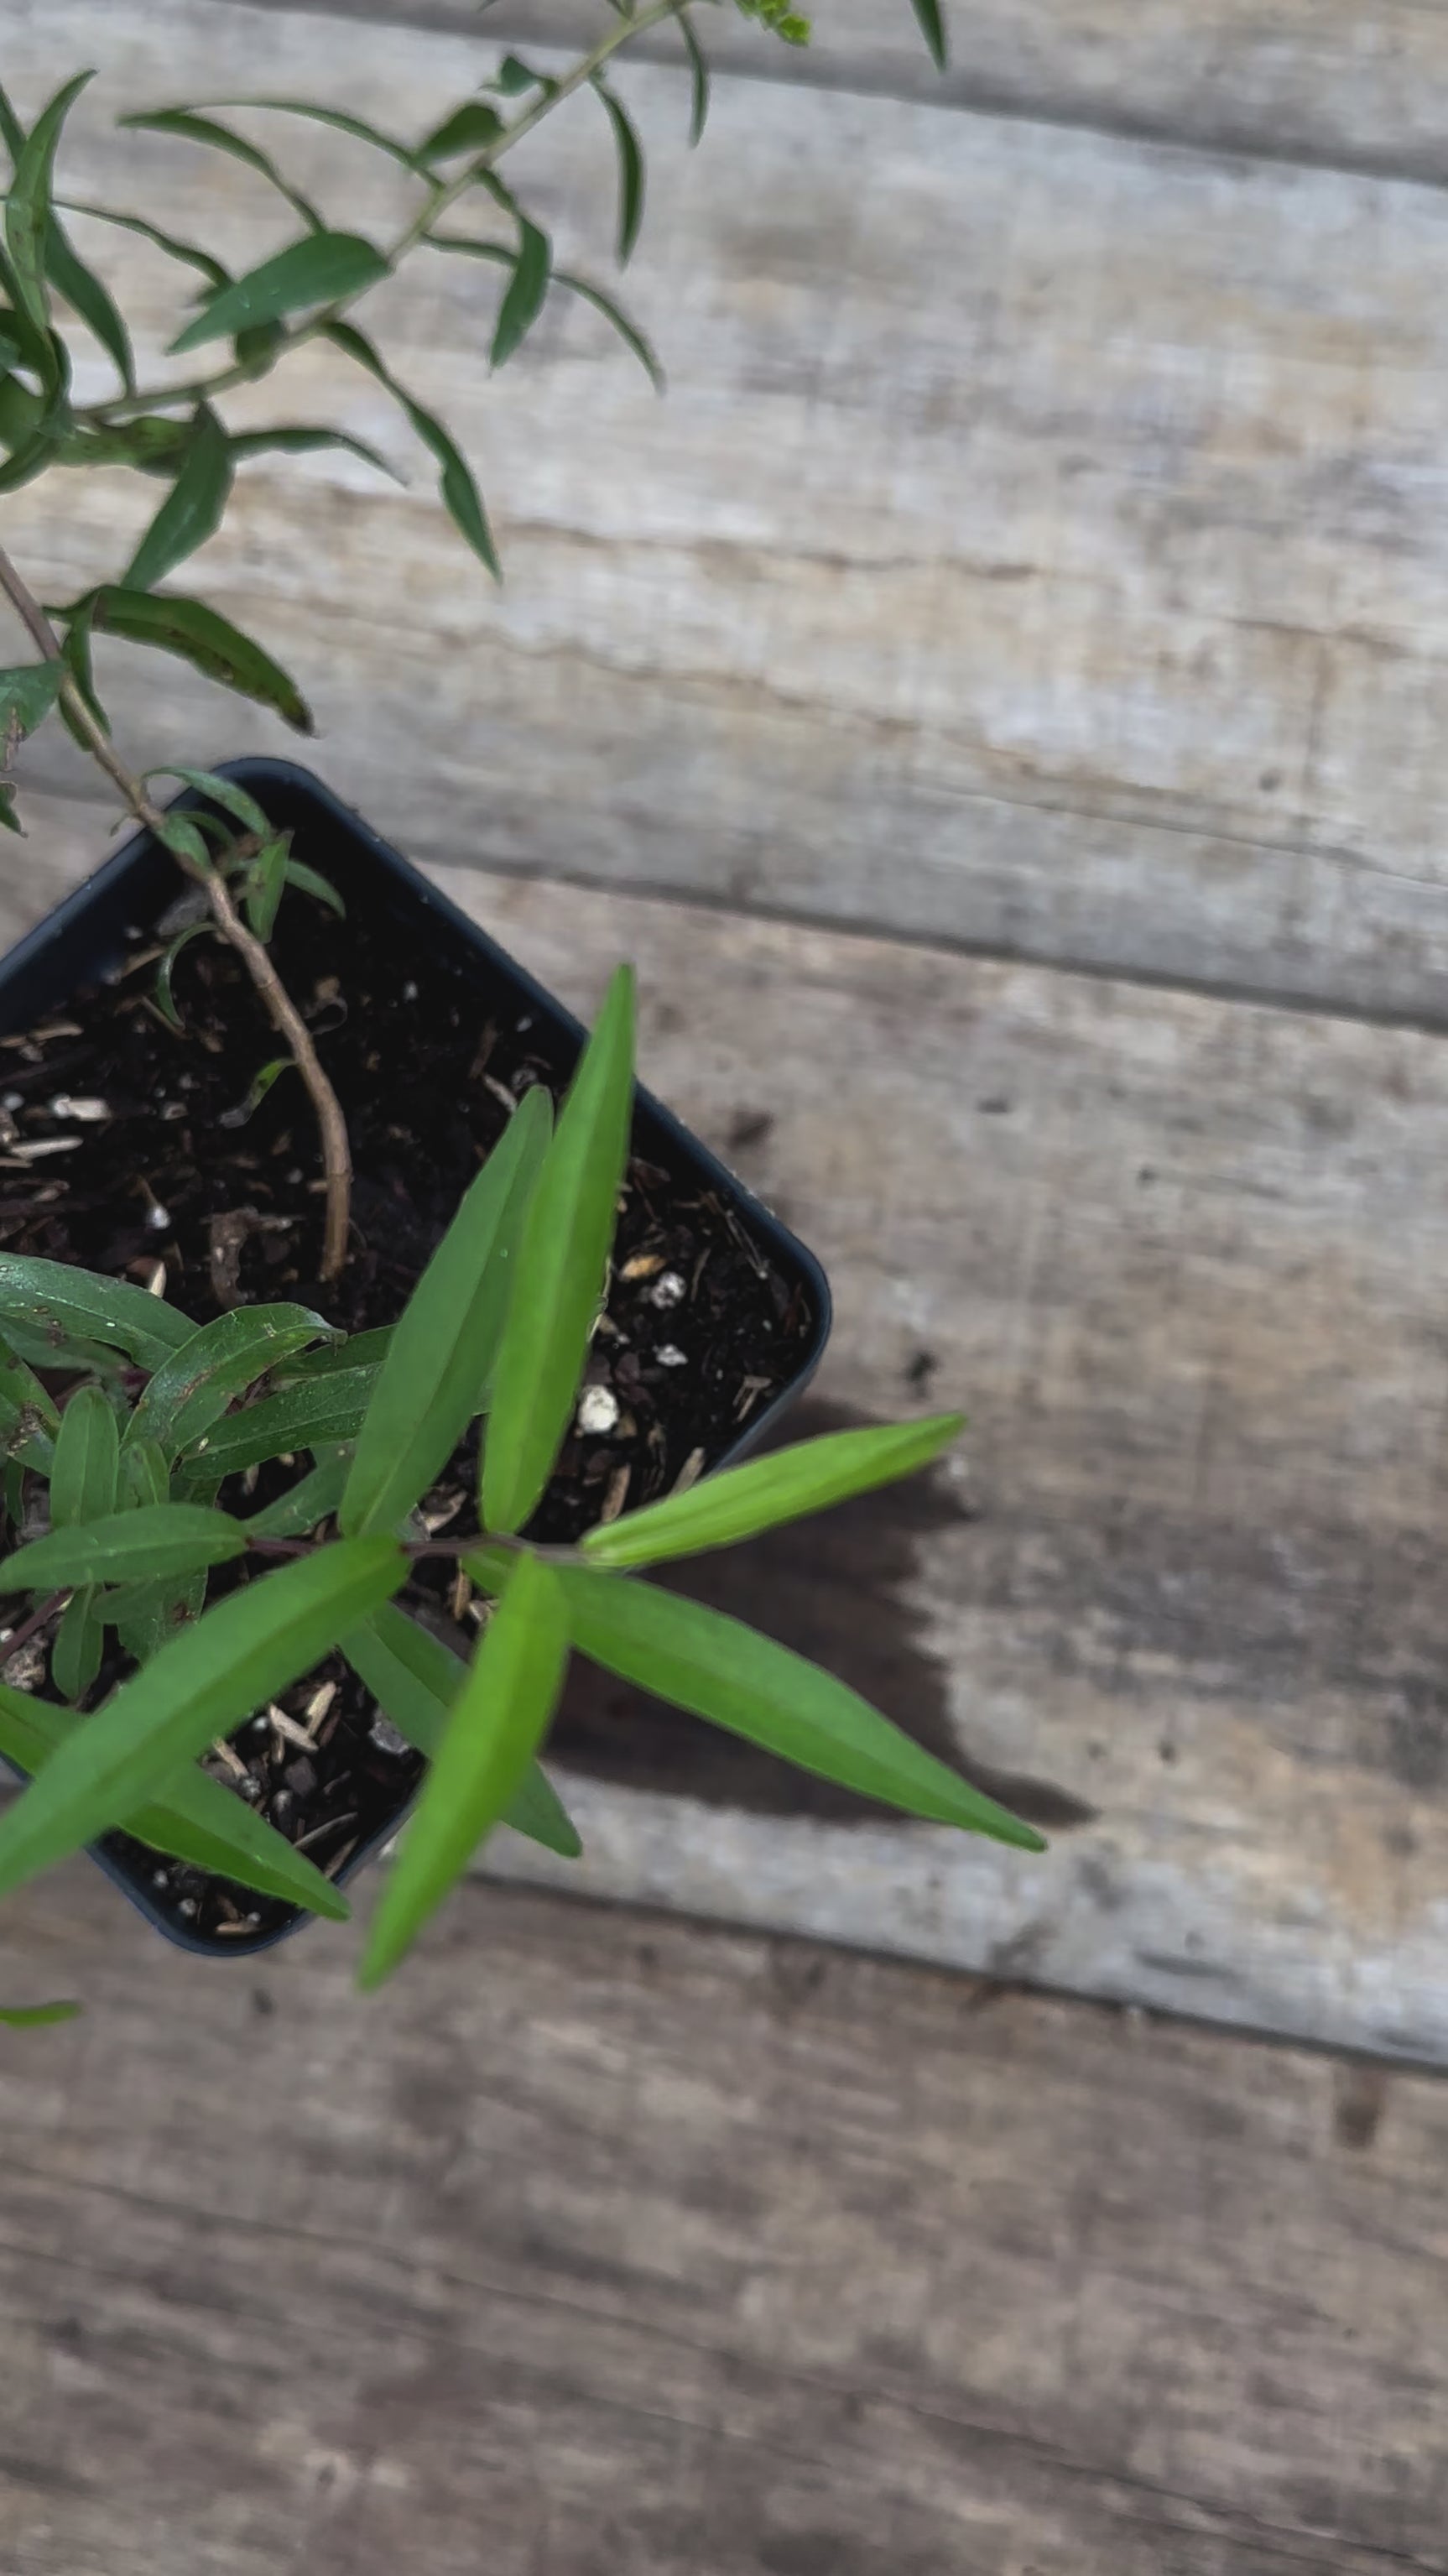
x=282, y=1010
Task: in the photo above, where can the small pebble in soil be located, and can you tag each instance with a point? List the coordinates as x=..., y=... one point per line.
x=669, y=1355
x=87, y=1113
x=158, y=1218
x=387, y=1738
x=598, y=1409
x=668, y=1290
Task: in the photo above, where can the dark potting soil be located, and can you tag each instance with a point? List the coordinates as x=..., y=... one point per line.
x=128, y=1148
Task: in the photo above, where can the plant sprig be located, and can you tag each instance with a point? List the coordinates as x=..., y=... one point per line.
x=496, y=1332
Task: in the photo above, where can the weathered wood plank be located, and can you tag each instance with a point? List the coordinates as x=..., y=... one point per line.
x=598, y=2244
x=1359, y=83
x=1039, y=550
x=1182, y=1260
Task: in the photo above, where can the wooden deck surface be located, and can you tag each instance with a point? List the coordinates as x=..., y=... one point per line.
x=998, y=698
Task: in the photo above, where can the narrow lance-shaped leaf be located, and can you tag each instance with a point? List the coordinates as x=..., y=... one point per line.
x=240, y=1655
x=527, y=290
x=224, y=792
x=415, y=1680
x=153, y=1540
x=202, y=637
x=77, y=651
x=459, y=492
x=145, y=1476
x=443, y=1345
x=319, y=270
x=193, y=1388
x=930, y=18
x=162, y=992
x=87, y=1462
x=318, y=1411
x=188, y=253
x=29, y=1417
x=308, y=881
x=768, y=1491
x=498, y=1720
x=356, y=126
x=720, y=1670
x=266, y=885
x=628, y=331
x=190, y=126
x=90, y=297
x=560, y=1270
x=305, y=441
x=630, y=171
x=35, y=2016
x=193, y=508
x=193, y=1818
x=75, y=1657
x=27, y=207
x=53, y=1300
x=699, y=70
x=8, y=815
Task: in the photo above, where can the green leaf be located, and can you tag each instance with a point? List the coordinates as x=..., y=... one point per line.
x=154, y=1540
x=261, y=1084
x=192, y=127
x=202, y=637
x=77, y=652
x=161, y=992
x=358, y=1351
x=287, y=441
x=527, y=290
x=27, y=694
x=415, y=1679
x=87, y=1462
x=630, y=171
x=8, y=816
x=307, y=881
x=353, y=125
x=432, y=1380
x=496, y=1723
x=513, y=78
x=257, y=345
x=240, y=1655
x=183, y=836
x=193, y=1387
x=193, y=508
x=27, y=208
x=459, y=491
x=930, y=19
x=314, y=1498
x=75, y=1657
x=190, y=255
x=194, y=1818
x=560, y=1271
x=148, y=1615
x=473, y=127
x=54, y=1303
x=720, y=1670
x=628, y=331
x=145, y=1476
x=319, y=270
x=768, y=1491
x=699, y=68
x=29, y=1418
x=319, y=1410
x=34, y=2016
x=224, y=792
x=264, y=889
x=29, y=459
x=91, y=298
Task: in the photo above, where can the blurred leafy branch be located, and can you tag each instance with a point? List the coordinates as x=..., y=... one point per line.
x=498, y=1328
x=174, y=432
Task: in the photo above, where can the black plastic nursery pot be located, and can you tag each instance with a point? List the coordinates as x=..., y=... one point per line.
x=132, y=1148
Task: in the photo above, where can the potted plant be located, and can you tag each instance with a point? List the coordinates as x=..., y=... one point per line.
x=347, y=1390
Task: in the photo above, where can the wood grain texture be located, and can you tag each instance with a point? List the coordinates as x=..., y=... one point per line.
x=1355, y=83
x=1182, y=1262
x=1040, y=549
x=596, y=2244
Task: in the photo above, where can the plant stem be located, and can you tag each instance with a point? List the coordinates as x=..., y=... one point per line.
x=285, y=1017
x=440, y=199
x=32, y=1626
